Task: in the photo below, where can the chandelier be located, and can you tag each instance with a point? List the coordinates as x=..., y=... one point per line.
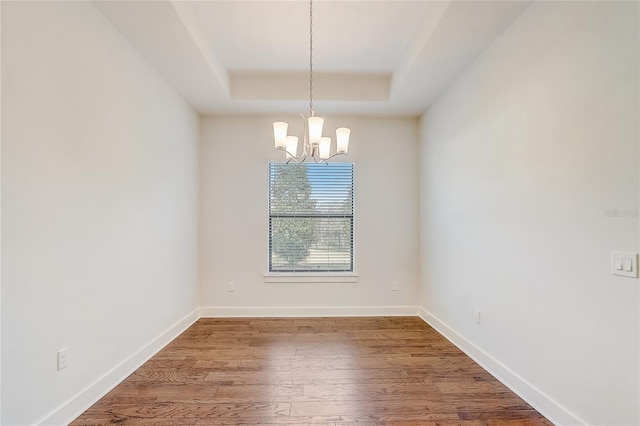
x=314, y=145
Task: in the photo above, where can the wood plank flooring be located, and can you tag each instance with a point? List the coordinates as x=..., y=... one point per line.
x=311, y=371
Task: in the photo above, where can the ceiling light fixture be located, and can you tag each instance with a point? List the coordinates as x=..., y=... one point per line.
x=314, y=144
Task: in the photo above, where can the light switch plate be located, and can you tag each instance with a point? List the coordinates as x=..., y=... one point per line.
x=63, y=358
x=628, y=261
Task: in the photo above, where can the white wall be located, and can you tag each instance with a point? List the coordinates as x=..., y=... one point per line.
x=0, y=225
x=235, y=152
x=521, y=160
x=99, y=197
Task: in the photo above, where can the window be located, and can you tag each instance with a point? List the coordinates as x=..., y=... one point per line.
x=311, y=217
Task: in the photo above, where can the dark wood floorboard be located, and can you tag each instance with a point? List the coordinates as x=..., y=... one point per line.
x=311, y=371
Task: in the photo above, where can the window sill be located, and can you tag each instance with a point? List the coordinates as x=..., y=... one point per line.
x=306, y=277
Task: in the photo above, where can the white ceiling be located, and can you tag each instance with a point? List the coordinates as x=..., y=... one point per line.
x=273, y=36
x=370, y=57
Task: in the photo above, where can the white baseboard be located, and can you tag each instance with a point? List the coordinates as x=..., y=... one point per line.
x=84, y=399
x=75, y=406
x=544, y=404
x=311, y=311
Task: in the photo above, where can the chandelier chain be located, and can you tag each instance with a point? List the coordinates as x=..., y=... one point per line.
x=310, y=58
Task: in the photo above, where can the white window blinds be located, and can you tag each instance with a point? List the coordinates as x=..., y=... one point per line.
x=311, y=217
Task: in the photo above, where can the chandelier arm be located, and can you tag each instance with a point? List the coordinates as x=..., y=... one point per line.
x=335, y=155
x=319, y=160
x=292, y=157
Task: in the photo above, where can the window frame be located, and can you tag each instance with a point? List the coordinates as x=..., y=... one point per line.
x=311, y=276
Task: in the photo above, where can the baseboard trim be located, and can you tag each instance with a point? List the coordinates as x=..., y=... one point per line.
x=542, y=402
x=309, y=311
x=75, y=406
x=84, y=399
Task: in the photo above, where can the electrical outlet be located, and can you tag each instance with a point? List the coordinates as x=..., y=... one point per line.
x=231, y=286
x=477, y=316
x=63, y=358
x=394, y=286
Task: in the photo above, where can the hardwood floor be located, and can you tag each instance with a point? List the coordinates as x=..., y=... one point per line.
x=324, y=371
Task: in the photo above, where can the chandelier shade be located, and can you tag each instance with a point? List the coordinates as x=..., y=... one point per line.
x=342, y=140
x=325, y=148
x=280, y=133
x=315, y=129
x=291, y=146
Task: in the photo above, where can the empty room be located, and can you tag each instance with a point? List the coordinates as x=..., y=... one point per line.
x=320, y=212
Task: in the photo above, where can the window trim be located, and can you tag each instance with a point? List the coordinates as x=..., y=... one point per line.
x=311, y=277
